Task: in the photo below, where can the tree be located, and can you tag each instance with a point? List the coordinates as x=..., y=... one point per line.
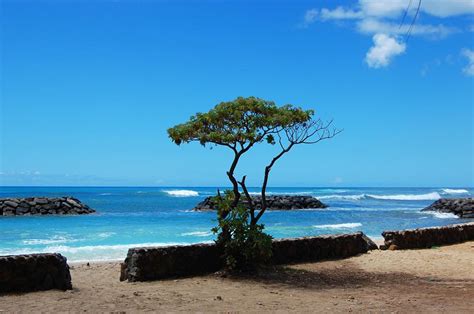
x=239, y=125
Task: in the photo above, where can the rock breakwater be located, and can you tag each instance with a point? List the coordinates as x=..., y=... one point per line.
x=43, y=206
x=274, y=202
x=462, y=207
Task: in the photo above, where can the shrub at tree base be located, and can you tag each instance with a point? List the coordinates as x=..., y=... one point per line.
x=246, y=247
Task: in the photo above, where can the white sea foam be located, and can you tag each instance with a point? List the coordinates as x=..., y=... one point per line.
x=407, y=197
x=282, y=193
x=90, y=252
x=52, y=240
x=372, y=209
x=182, y=193
x=332, y=190
x=106, y=234
x=442, y=215
x=455, y=191
x=197, y=233
x=350, y=225
x=343, y=197
x=105, y=194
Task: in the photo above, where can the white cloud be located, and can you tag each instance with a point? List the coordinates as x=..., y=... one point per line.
x=469, y=68
x=396, y=8
x=340, y=13
x=373, y=26
x=377, y=8
x=437, y=8
x=445, y=8
x=381, y=19
x=385, y=48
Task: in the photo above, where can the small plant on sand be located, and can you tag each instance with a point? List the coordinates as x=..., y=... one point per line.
x=239, y=125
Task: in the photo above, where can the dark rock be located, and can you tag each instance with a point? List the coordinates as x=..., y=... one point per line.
x=41, y=201
x=11, y=203
x=462, y=207
x=23, y=273
x=274, y=202
x=371, y=245
x=42, y=206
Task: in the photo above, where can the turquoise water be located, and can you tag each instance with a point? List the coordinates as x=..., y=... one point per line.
x=137, y=216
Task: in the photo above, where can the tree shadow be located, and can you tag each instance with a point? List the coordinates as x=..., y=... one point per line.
x=346, y=276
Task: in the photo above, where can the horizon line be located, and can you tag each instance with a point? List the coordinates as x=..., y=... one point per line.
x=216, y=186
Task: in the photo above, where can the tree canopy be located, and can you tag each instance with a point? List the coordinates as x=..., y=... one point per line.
x=241, y=122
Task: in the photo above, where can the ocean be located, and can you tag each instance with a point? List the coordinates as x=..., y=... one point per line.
x=147, y=216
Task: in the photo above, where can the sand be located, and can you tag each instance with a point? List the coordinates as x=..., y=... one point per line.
x=431, y=280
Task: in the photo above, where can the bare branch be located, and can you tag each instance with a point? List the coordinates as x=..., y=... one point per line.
x=300, y=133
x=249, y=199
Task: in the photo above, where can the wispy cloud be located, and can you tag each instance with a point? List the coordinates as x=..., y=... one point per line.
x=340, y=13
x=310, y=17
x=469, y=68
x=375, y=26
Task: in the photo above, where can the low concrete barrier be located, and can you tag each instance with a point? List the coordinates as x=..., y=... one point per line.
x=152, y=263
x=22, y=273
x=312, y=249
x=428, y=237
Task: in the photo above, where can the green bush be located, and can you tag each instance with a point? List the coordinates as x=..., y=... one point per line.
x=245, y=246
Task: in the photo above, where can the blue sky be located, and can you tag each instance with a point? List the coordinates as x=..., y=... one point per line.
x=88, y=89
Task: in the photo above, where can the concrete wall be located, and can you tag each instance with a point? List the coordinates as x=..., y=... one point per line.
x=428, y=237
x=152, y=263
x=22, y=273
x=311, y=249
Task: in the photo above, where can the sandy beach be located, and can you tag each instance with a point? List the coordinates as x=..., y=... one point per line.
x=431, y=280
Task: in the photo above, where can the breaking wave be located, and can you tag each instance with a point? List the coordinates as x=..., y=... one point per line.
x=442, y=215
x=343, y=197
x=182, y=193
x=350, y=225
x=455, y=191
x=407, y=197
x=393, y=197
